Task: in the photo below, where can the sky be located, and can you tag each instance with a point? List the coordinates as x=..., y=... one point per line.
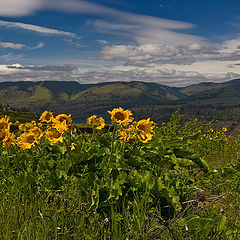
x=171, y=42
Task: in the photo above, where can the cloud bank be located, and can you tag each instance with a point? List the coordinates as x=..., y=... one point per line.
x=167, y=75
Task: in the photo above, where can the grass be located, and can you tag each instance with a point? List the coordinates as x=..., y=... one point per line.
x=41, y=93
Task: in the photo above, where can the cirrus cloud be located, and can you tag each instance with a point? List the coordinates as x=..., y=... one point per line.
x=35, y=28
x=19, y=46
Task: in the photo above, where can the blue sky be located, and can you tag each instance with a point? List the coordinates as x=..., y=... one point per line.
x=171, y=42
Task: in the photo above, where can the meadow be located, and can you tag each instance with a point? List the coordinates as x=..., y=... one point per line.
x=131, y=180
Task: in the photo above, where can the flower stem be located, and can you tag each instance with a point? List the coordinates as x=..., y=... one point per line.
x=93, y=133
x=112, y=144
x=70, y=156
x=79, y=131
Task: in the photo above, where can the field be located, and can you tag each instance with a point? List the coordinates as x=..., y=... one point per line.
x=132, y=180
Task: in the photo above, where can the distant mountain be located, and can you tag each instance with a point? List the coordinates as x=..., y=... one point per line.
x=144, y=99
x=224, y=94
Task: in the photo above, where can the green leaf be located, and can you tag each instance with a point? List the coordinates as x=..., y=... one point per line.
x=149, y=180
x=169, y=193
x=182, y=222
x=222, y=223
x=196, y=221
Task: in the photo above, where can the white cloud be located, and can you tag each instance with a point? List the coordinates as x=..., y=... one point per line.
x=6, y=69
x=147, y=53
x=27, y=7
x=39, y=45
x=208, y=67
x=35, y=28
x=19, y=46
x=16, y=8
x=146, y=29
x=139, y=52
x=104, y=42
x=147, y=25
x=80, y=6
x=16, y=46
x=183, y=53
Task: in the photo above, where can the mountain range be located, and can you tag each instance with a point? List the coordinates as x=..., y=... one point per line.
x=144, y=99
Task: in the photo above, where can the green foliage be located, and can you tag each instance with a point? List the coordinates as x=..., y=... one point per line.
x=109, y=189
x=20, y=115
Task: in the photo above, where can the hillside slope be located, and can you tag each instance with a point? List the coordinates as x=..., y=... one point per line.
x=82, y=100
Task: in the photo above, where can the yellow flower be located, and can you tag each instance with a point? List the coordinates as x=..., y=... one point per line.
x=4, y=126
x=37, y=132
x=128, y=134
x=26, y=140
x=163, y=123
x=9, y=140
x=64, y=117
x=53, y=135
x=33, y=123
x=224, y=129
x=131, y=128
x=46, y=117
x=145, y=130
x=145, y=126
x=124, y=136
x=60, y=126
x=144, y=137
x=4, y=123
x=26, y=126
x=94, y=121
x=73, y=146
x=118, y=115
x=21, y=127
x=131, y=139
x=211, y=130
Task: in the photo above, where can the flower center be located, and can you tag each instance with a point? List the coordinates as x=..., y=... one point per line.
x=30, y=139
x=141, y=127
x=36, y=133
x=56, y=134
x=119, y=116
x=61, y=119
x=48, y=116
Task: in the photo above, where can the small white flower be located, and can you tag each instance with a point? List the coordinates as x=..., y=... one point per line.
x=215, y=170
